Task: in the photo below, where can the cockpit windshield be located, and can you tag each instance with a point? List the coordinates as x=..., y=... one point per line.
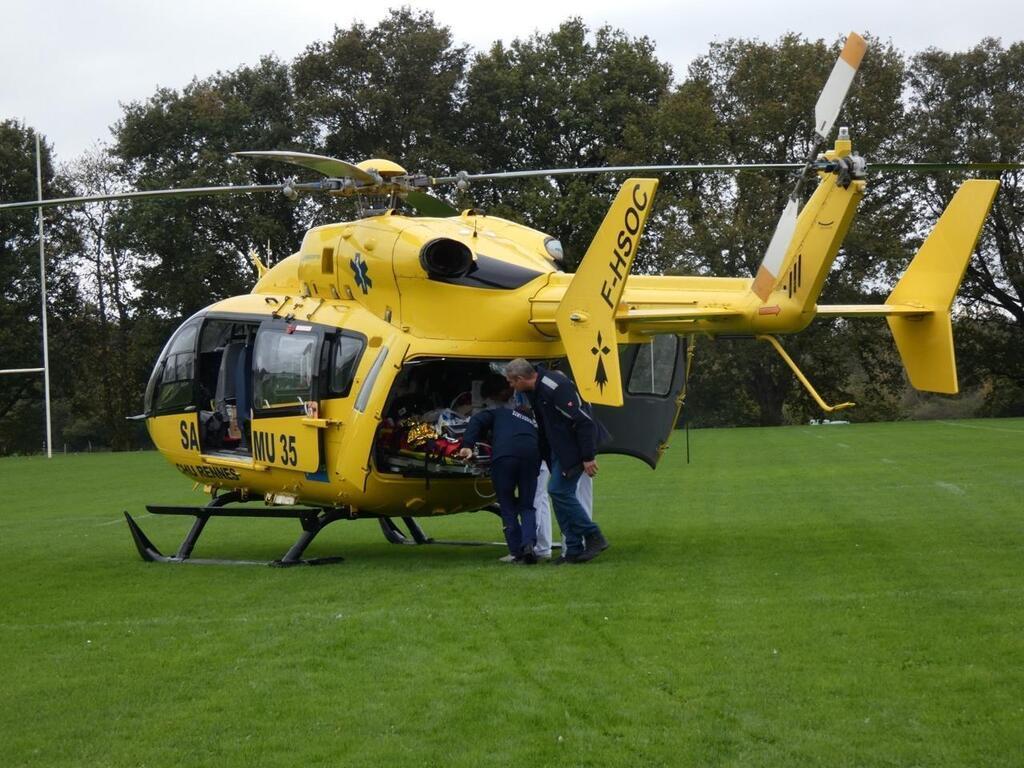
x=171, y=387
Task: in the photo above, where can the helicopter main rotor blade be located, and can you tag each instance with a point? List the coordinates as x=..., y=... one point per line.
x=155, y=194
x=429, y=205
x=931, y=167
x=826, y=110
x=433, y=206
x=721, y=167
x=699, y=168
x=328, y=166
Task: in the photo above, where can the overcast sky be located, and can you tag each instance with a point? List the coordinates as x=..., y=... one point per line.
x=66, y=66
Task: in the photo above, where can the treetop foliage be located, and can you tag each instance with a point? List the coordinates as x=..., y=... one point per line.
x=124, y=275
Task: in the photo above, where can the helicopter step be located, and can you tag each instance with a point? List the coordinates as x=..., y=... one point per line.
x=312, y=520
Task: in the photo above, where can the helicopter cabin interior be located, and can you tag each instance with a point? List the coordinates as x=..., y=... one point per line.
x=233, y=371
x=428, y=410
x=225, y=385
x=432, y=399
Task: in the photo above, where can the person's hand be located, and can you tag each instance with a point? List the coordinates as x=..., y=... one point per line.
x=465, y=453
x=590, y=467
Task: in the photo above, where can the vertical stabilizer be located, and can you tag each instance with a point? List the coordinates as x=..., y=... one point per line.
x=925, y=343
x=804, y=246
x=586, y=315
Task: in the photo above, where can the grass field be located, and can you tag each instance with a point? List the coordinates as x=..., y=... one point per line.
x=846, y=595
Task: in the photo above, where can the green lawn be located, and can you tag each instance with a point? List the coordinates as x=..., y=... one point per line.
x=841, y=595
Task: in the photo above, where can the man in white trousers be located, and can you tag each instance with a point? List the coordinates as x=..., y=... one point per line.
x=541, y=502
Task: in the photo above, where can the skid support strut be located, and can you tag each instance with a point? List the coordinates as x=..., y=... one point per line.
x=803, y=379
x=312, y=520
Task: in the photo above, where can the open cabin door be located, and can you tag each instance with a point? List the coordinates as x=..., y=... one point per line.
x=285, y=387
x=653, y=378
x=224, y=386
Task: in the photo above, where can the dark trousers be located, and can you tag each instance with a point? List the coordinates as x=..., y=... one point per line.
x=515, y=483
x=571, y=516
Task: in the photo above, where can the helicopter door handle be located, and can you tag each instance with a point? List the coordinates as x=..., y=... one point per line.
x=322, y=423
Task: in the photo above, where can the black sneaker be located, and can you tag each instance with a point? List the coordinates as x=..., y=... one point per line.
x=567, y=558
x=596, y=544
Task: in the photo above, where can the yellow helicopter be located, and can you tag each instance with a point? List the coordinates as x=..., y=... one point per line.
x=336, y=389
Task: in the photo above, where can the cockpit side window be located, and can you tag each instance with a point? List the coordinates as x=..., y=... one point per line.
x=344, y=361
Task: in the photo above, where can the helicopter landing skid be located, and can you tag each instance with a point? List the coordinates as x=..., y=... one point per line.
x=312, y=520
x=417, y=536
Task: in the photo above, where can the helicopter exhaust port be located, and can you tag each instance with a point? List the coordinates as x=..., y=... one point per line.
x=445, y=258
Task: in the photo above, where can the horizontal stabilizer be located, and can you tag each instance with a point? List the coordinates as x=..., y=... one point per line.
x=674, y=313
x=871, y=310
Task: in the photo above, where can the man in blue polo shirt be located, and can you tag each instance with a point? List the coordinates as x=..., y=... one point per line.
x=568, y=442
x=515, y=462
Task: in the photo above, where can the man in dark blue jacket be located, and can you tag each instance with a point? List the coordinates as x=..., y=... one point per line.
x=568, y=442
x=515, y=462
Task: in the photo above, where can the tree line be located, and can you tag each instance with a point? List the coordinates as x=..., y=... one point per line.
x=123, y=275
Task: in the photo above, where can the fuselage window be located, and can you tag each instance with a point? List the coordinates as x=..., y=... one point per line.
x=284, y=366
x=654, y=366
x=347, y=352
